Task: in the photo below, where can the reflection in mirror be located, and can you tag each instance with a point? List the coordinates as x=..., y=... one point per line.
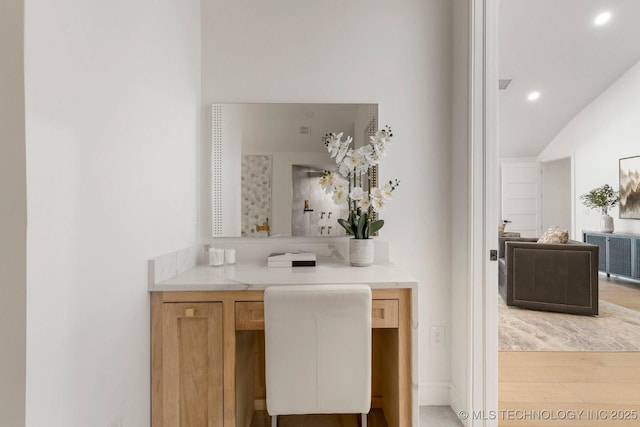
x=313, y=210
x=266, y=160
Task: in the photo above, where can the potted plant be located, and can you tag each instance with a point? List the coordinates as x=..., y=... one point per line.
x=361, y=197
x=602, y=198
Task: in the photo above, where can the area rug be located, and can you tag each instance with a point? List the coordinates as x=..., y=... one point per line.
x=616, y=328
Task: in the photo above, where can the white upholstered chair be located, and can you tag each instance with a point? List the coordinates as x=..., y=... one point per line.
x=318, y=350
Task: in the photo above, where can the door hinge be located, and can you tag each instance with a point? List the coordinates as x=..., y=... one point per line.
x=493, y=255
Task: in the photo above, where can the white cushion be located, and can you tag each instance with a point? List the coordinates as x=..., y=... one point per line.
x=318, y=349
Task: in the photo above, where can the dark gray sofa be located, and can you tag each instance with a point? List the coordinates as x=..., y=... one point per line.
x=550, y=277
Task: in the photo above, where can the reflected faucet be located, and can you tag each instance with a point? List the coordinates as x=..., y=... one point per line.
x=264, y=227
x=306, y=206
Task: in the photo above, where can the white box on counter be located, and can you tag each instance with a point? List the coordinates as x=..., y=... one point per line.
x=292, y=259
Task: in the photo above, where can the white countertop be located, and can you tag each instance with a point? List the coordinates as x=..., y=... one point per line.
x=257, y=276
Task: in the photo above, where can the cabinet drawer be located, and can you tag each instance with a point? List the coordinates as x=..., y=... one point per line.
x=250, y=314
x=384, y=313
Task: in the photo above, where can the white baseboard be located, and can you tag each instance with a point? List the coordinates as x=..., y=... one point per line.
x=434, y=394
x=457, y=403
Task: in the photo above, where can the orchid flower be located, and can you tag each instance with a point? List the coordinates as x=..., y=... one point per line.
x=378, y=204
x=332, y=141
x=352, y=160
x=377, y=193
x=355, y=164
x=357, y=193
x=344, y=169
x=364, y=204
x=326, y=182
x=339, y=186
x=386, y=191
x=339, y=196
x=344, y=148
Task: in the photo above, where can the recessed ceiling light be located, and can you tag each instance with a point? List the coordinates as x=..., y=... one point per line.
x=533, y=96
x=602, y=18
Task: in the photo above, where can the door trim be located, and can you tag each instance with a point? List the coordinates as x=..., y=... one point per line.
x=484, y=203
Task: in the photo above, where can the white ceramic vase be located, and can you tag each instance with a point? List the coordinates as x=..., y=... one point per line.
x=606, y=223
x=361, y=252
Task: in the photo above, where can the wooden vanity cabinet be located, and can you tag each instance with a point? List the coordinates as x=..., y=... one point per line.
x=207, y=357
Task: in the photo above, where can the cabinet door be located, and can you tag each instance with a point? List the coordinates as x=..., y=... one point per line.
x=637, y=270
x=192, y=365
x=601, y=241
x=620, y=256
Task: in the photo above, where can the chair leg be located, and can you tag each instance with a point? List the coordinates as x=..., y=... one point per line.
x=363, y=417
x=274, y=421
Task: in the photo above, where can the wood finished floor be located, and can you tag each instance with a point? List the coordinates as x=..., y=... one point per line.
x=621, y=292
x=573, y=389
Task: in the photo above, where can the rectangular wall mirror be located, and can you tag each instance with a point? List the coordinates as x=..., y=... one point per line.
x=266, y=161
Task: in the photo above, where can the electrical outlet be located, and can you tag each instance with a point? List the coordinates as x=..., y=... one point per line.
x=437, y=337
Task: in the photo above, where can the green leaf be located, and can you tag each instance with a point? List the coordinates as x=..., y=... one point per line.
x=361, y=223
x=352, y=218
x=601, y=198
x=374, y=226
x=346, y=226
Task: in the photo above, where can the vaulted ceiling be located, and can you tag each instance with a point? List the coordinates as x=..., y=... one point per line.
x=555, y=48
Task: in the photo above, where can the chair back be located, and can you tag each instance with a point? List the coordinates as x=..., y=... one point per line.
x=318, y=349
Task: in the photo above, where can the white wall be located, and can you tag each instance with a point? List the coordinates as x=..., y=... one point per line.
x=601, y=134
x=13, y=216
x=113, y=117
x=396, y=54
x=556, y=195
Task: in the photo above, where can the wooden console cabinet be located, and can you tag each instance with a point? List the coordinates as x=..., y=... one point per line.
x=619, y=253
x=207, y=357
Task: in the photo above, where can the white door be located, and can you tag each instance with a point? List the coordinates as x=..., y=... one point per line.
x=521, y=198
x=556, y=195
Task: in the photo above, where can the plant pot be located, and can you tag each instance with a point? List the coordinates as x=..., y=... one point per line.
x=606, y=224
x=361, y=252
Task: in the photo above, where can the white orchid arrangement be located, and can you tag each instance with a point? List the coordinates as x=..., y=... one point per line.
x=355, y=165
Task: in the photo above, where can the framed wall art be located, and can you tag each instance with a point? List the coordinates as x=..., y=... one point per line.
x=630, y=187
